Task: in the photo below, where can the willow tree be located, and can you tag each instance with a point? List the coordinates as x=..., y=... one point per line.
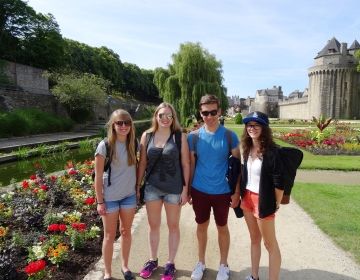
x=193, y=73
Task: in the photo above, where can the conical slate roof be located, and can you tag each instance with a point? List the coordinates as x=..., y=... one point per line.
x=354, y=46
x=333, y=46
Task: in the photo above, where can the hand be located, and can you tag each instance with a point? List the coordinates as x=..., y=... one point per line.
x=190, y=200
x=235, y=200
x=183, y=198
x=101, y=209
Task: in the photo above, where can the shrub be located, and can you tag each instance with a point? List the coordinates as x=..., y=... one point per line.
x=238, y=119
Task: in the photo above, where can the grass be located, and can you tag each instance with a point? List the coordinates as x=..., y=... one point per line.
x=335, y=209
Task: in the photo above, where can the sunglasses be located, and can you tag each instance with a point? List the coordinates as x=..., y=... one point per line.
x=121, y=123
x=165, y=116
x=253, y=126
x=212, y=113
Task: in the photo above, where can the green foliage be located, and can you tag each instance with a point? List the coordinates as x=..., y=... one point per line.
x=322, y=122
x=194, y=72
x=238, y=119
x=28, y=37
x=80, y=93
x=31, y=121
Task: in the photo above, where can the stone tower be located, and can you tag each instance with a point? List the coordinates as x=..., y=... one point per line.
x=334, y=83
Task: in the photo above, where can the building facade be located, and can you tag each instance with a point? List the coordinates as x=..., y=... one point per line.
x=334, y=86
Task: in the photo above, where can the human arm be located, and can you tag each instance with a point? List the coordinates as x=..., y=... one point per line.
x=141, y=165
x=235, y=197
x=98, y=183
x=185, y=163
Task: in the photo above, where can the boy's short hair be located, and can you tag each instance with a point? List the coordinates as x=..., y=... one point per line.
x=209, y=99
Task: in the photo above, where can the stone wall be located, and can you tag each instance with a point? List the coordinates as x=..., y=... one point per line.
x=26, y=77
x=11, y=99
x=294, y=109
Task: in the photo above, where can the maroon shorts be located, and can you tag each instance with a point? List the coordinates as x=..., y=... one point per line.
x=202, y=204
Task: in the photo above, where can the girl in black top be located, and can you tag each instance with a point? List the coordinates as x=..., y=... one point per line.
x=261, y=191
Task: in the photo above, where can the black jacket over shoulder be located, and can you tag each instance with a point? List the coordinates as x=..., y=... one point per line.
x=270, y=178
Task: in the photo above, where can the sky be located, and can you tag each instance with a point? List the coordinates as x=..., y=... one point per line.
x=260, y=43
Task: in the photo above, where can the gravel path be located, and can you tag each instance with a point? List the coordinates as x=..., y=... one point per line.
x=307, y=253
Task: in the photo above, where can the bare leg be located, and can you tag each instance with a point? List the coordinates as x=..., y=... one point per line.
x=110, y=226
x=173, y=218
x=153, y=209
x=126, y=220
x=255, y=237
x=201, y=233
x=267, y=228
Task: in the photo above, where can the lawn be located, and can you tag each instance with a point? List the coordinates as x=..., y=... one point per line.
x=335, y=209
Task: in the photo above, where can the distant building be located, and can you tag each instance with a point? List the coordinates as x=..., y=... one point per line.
x=334, y=86
x=267, y=100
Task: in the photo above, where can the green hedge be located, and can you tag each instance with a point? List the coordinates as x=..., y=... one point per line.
x=31, y=121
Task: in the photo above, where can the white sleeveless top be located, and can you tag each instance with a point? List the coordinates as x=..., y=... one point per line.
x=254, y=170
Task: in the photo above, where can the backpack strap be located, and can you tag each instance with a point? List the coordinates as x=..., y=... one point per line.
x=229, y=139
x=177, y=136
x=108, y=160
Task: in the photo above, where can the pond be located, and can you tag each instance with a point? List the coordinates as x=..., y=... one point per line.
x=23, y=169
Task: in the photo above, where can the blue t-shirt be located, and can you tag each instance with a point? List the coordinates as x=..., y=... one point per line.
x=212, y=153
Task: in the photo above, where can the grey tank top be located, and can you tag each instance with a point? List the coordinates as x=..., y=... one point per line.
x=166, y=174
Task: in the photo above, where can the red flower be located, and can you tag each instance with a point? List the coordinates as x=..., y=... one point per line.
x=34, y=267
x=33, y=177
x=25, y=184
x=69, y=164
x=35, y=190
x=62, y=227
x=90, y=200
x=42, y=238
x=79, y=226
x=72, y=171
x=53, y=178
x=44, y=187
x=53, y=227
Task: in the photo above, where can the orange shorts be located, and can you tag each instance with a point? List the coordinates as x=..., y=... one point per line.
x=250, y=203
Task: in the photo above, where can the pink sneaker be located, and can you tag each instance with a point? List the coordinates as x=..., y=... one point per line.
x=149, y=267
x=169, y=273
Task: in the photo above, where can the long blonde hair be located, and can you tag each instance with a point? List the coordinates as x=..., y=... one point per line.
x=175, y=126
x=130, y=139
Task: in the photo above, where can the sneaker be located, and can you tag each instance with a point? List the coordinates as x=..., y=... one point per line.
x=149, y=267
x=198, y=271
x=224, y=273
x=169, y=273
x=250, y=277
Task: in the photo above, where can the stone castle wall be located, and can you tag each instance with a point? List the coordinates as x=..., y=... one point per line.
x=295, y=109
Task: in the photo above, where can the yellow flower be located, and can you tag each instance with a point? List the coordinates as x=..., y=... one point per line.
x=3, y=231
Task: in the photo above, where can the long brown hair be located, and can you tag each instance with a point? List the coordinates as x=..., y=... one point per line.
x=175, y=126
x=265, y=139
x=130, y=139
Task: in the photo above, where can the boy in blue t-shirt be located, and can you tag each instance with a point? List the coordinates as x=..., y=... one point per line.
x=209, y=187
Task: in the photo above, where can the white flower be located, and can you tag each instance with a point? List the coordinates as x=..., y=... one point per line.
x=95, y=228
x=38, y=252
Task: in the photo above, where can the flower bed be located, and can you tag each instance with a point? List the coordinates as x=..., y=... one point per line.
x=49, y=227
x=338, y=139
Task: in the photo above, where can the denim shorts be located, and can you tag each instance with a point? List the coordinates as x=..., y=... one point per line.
x=152, y=193
x=125, y=203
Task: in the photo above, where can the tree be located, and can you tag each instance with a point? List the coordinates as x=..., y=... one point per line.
x=194, y=72
x=27, y=37
x=80, y=93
